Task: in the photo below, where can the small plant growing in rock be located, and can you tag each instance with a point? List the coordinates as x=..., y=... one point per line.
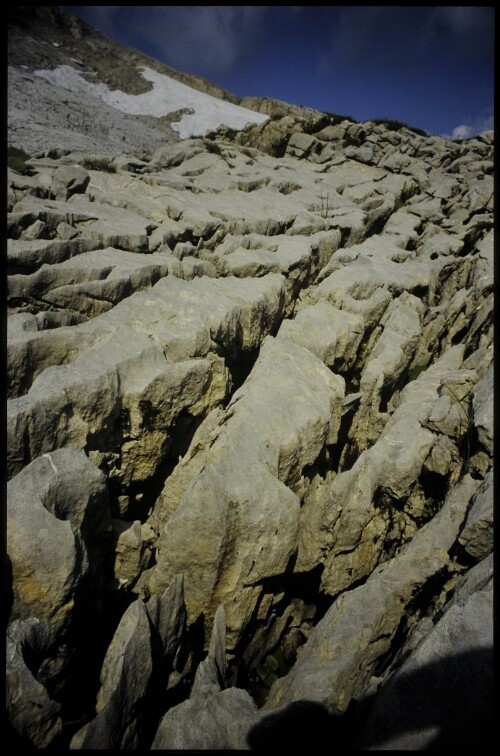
x=415, y=371
x=211, y=146
x=406, y=193
x=335, y=118
x=98, y=164
x=465, y=439
x=267, y=669
x=394, y=125
x=326, y=205
x=430, y=508
x=16, y=159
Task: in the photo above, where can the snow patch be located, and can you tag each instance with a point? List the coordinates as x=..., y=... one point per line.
x=166, y=96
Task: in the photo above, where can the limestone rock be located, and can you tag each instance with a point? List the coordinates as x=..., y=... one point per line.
x=35, y=230
x=483, y=271
x=219, y=722
x=443, y=456
x=48, y=512
x=65, y=231
x=481, y=194
x=212, y=717
x=33, y=714
x=132, y=554
x=344, y=523
x=477, y=534
x=331, y=334
x=250, y=515
x=403, y=228
x=115, y=364
x=483, y=410
x=217, y=648
x=125, y=676
x=92, y=282
x=442, y=694
x=398, y=335
x=27, y=257
x=300, y=145
x=372, y=267
x=271, y=137
x=168, y=615
x=229, y=328
x=299, y=258
x=19, y=185
x=344, y=648
x=68, y=180
x=364, y=154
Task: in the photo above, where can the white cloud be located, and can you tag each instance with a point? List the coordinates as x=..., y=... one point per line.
x=462, y=132
x=466, y=131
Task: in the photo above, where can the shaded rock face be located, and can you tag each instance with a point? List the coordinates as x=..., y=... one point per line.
x=250, y=437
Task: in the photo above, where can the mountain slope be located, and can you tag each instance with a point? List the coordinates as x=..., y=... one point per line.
x=72, y=87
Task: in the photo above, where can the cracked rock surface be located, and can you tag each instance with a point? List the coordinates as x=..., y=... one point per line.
x=250, y=438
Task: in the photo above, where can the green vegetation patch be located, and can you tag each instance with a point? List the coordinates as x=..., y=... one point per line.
x=267, y=670
x=335, y=118
x=414, y=372
x=407, y=193
x=393, y=125
x=431, y=507
x=16, y=159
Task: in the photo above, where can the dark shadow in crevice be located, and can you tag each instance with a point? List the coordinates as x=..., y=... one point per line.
x=15, y=742
x=96, y=615
x=158, y=699
x=300, y=725
x=240, y=365
x=434, y=485
x=451, y=697
x=378, y=224
x=144, y=494
x=343, y=442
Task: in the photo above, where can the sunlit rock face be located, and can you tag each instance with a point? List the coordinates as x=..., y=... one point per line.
x=249, y=416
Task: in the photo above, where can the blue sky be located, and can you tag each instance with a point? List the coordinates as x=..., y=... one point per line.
x=429, y=66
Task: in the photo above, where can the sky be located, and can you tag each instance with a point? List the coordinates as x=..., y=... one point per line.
x=429, y=66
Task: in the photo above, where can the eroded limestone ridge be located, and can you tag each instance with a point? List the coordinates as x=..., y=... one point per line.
x=250, y=440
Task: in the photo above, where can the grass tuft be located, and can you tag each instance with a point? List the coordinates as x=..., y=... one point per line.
x=393, y=125
x=98, y=164
x=16, y=159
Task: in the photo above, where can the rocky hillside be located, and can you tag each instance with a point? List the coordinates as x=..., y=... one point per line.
x=71, y=86
x=250, y=440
